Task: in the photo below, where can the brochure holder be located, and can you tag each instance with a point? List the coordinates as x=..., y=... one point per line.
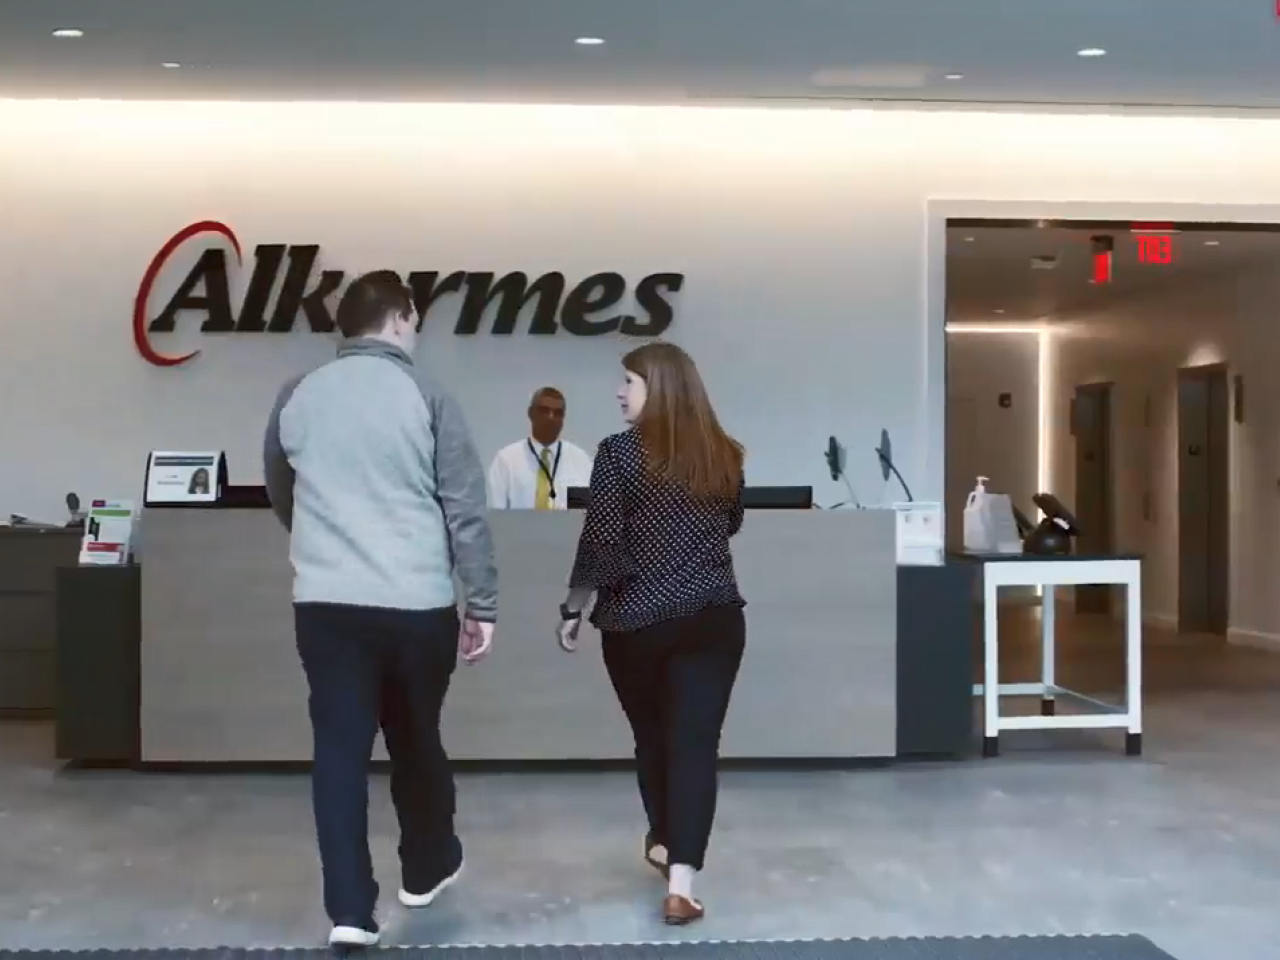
x=918, y=534
x=108, y=533
x=177, y=479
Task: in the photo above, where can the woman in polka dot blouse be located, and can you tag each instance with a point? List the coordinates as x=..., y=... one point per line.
x=666, y=496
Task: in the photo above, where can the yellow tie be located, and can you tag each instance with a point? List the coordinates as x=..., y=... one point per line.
x=542, y=496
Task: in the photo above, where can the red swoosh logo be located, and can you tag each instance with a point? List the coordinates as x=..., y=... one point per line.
x=140, y=334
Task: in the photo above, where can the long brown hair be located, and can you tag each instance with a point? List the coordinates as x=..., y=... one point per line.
x=683, y=439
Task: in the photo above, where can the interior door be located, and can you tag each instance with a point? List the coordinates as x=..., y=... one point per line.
x=1203, y=493
x=962, y=459
x=1093, y=509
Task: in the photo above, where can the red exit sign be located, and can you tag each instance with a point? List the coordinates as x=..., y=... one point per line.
x=1155, y=245
x=1153, y=240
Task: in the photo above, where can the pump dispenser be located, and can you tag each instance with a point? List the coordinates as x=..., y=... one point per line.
x=988, y=522
x=978, y=492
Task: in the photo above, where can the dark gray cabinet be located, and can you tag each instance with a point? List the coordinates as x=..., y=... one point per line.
x=29, y=560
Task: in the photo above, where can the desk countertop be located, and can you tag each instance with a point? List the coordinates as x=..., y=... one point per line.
x=20, y=531
x=1038, y=557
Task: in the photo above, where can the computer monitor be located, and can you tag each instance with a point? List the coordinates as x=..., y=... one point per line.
x=777, y=498
x=753, y=498
x=244, y=497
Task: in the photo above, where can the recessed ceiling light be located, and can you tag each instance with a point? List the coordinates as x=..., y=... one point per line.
x=954, y=76
x=895, y=76
x=170, y=65
x=68, y=32
x=999, y=311
x=589, y=41
x=1091, y=52
x=1211, y=243
x=968, y=239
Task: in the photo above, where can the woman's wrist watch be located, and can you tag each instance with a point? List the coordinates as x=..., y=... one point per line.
x=566, y=614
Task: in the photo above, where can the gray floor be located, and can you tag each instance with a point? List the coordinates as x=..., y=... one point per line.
x=1061, y=834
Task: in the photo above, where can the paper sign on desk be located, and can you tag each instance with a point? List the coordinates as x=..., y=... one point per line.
x=918, y=533
x=108, y=531
x=192, y=477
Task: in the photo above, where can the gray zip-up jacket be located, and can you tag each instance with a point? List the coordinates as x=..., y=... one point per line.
x=370, y=466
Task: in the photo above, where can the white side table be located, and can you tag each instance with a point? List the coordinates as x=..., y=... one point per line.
x=1048, y=572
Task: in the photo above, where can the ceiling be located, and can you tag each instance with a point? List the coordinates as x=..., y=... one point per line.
x=1164, y=53
x=990, y=277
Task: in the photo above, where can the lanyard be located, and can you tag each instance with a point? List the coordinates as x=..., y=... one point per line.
x=542, y=467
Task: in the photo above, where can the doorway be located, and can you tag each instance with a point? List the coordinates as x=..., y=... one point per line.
x=963, y=465
x=1091, y=425
x=1204, y=507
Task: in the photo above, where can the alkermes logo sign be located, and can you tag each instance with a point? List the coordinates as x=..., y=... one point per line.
x=589, y=308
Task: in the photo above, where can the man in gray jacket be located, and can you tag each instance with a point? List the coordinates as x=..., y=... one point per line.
x=371, y=468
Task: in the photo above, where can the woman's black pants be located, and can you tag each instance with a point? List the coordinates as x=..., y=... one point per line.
x=674, y=680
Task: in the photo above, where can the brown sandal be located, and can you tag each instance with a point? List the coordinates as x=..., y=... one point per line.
x=678, y=911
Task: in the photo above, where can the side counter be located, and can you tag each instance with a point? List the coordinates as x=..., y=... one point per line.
x=29, y=560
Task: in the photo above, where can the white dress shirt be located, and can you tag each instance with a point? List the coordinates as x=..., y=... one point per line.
x=513, y=475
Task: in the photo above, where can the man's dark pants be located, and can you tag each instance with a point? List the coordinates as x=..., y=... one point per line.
x=370, y=667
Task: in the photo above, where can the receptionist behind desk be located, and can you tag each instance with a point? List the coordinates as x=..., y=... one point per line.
x=536, y=473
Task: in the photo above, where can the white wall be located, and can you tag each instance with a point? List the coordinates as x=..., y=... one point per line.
x=1140, y=345
x=983, y=438
x=802, y=233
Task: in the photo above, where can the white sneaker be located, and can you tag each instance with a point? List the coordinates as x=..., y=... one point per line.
x=425, y=899
x=345, y=936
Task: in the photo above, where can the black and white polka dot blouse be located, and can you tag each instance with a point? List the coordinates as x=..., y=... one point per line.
x=650, y=549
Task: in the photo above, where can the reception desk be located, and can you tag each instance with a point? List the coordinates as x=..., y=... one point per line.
x=828, y=672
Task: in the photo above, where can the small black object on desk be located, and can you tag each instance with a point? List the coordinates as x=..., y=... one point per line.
x=1053, y=535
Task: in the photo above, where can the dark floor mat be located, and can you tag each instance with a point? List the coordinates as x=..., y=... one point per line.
x=912, y=948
